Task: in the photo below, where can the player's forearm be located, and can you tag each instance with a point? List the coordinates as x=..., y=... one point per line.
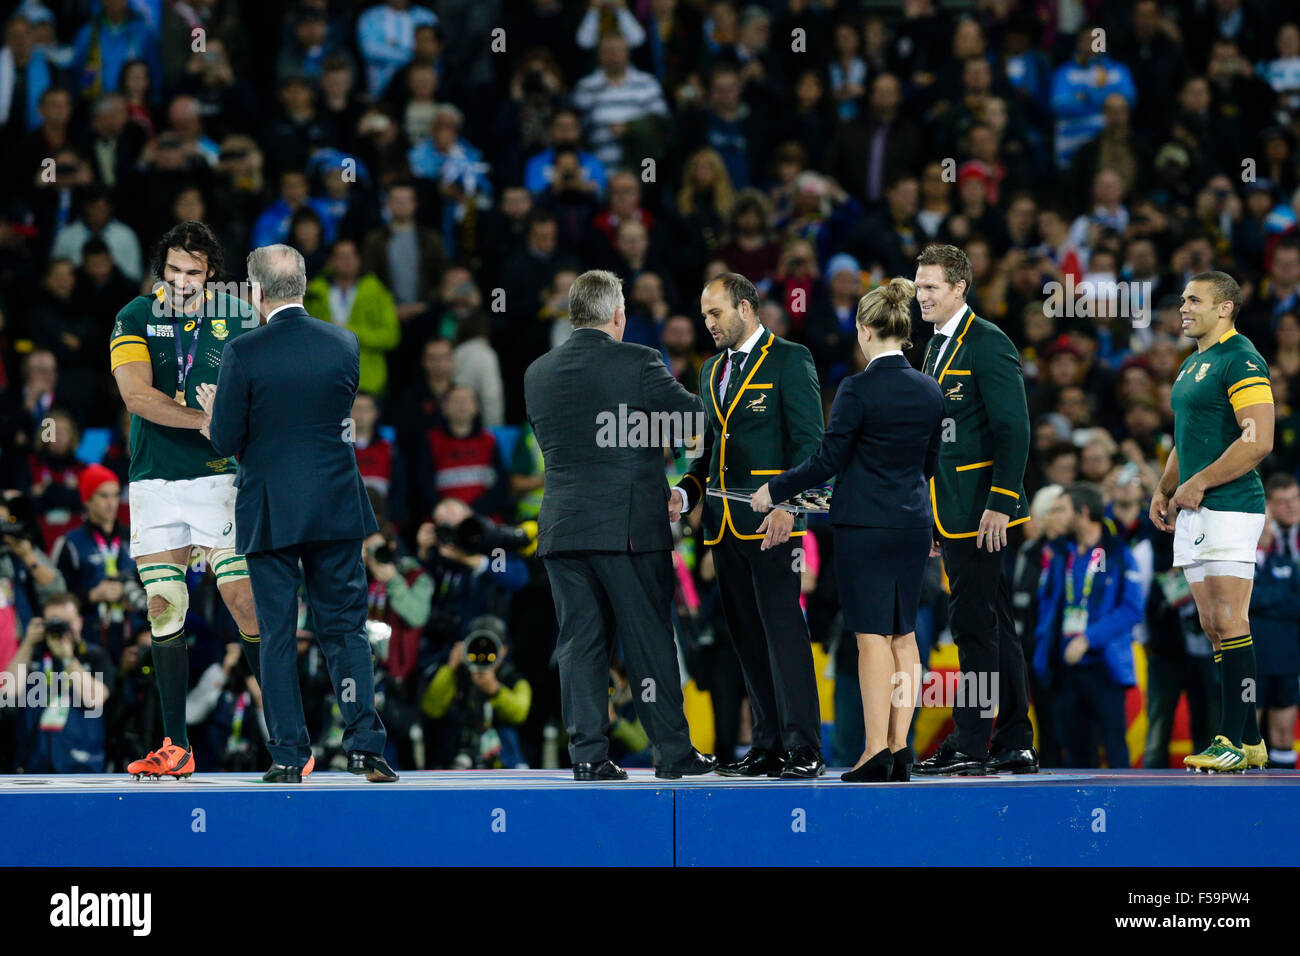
x=1168, y=483
x=153, y=406
x=1239, y=457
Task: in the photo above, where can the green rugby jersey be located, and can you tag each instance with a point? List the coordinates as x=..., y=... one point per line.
x=1210, y=387
x=145, y=332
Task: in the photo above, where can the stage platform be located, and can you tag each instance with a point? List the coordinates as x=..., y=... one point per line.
x=542, y=817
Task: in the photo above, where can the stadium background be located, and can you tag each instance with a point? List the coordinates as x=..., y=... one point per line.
x=1112, y=148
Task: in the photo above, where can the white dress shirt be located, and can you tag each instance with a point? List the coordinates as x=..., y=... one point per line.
x=747, y=346
x=281, y=308
x=883, y=354
x=949, y=329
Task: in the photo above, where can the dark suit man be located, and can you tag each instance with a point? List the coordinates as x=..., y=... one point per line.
x=763, y=402
x=603, y=532
x=977, y=493
x=282, y=404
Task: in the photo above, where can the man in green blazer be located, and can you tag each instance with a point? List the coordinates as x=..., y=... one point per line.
x=763, y=401
x=977, y=493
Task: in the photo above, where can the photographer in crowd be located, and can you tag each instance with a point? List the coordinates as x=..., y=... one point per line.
x=224, y=710
x=62, y=684
x=27, y=577
x=400, y=595
x=479, y=700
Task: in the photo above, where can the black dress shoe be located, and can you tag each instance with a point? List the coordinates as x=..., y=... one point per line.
x=756, y=763
x=876, y=770
x=902, y=769
x=1012, y=761
x=692, y=765
x=802, y=762
x=950, y=762
x=281, y=773
x=605, y=770
x=374, y=766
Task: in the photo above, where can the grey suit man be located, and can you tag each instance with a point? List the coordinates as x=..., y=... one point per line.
x=603, y=529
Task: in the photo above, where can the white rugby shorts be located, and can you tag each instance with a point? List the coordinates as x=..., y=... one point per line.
x=175, y=514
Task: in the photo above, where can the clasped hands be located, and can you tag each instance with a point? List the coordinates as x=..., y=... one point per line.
x=776, y=527
x=206, y=394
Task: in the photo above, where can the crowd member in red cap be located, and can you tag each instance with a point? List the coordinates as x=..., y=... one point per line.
x=98, y=568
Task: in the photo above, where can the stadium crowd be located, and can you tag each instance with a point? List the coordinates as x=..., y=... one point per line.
x=447, y=170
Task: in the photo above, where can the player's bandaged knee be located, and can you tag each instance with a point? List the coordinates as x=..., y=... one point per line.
x=166, y=581
x=227, y=564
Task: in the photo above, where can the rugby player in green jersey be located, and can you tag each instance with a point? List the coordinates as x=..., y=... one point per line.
x=181, y=492
x=1223, y=428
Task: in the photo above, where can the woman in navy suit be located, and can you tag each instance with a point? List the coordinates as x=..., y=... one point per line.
x=881, y=446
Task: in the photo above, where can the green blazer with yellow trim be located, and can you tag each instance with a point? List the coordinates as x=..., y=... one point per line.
x=774, y=422
x=985, y=432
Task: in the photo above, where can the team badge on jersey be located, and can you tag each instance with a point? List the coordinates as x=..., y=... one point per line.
x=219, y=330
x=1200, y=373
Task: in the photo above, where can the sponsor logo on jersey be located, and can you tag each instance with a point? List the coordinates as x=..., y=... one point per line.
x=160, y=331
x=1200, y=372
x=1181, y=372
x=189, y=326
x=219, y=330
x=226, y=529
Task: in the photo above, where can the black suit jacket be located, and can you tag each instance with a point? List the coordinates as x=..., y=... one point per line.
x=882, y=443
x=283, y=405
x=584, y=399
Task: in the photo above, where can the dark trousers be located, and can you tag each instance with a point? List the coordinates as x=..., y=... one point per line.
x=1167, y=678
x=1089, y=710
x=760, y=598
x=606, y=597
x=988, y=649
x=336, y=591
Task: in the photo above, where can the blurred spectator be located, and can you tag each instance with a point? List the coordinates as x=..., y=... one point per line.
x=1275, y=620
x=25, y=75
x=748, y=245
x=225, y=709
x=475, y=366
x=111, y=39
x=887, y=141
x=99, y=570
x=344, y=296
x=63, y=732
x=406, y=257
x=1079, y=90
x=619, y=103
x=480, y=700
x=60, y=326
x=386, y=39
x=465, y=460
x=310, y=46
x=1089, y=602
x=115, y=144
x=565, y=130
x=97, y=222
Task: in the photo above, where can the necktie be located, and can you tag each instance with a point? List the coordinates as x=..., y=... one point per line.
x=733, y=378
x=932, y=360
